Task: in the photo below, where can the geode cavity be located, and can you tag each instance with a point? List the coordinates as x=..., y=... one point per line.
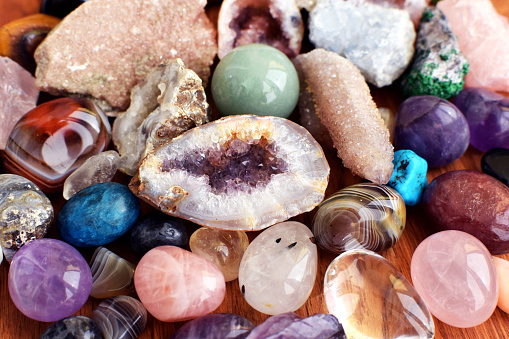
x=241, y=172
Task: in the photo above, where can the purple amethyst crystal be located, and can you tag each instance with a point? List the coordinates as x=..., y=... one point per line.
x=290, y=325
x=433, y=128
x=215, y=326
x=487, y=114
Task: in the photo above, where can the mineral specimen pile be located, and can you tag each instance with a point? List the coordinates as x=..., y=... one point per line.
x=239, y=173
x=333, y=89
x=168, y=102
x=378, y=40
x=119, y=43
x=438, y=67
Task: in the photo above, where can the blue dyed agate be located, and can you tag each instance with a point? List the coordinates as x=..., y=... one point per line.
x=409, y=176
x=98, y=215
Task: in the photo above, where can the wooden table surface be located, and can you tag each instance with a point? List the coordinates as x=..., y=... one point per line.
x=13, y=324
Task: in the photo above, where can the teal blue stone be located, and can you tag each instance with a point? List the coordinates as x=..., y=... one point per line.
x=98, y=215
x=255, y=79
x=409, y=176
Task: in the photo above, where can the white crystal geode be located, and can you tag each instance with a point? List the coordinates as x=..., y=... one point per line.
x=239, y=173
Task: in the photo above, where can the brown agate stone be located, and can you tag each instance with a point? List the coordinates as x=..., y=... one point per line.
x=272, y=22
x=119, y=42
x=334, y=89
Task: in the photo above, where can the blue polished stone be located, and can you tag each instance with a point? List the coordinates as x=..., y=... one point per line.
x=158, y=229
x=409, y=176
x=98, y=215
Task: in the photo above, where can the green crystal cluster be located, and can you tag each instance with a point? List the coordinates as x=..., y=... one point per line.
x=438, y=67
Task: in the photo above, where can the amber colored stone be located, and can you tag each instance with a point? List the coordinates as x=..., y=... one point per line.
x=52, y=140
x=471, y=202
x=20, y=38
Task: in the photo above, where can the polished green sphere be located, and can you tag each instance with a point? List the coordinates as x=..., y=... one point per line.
x=255, y=79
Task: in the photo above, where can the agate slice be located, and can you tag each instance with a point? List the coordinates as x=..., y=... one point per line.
x=120, y=317
x=215, y=326
x=272, y=22
x=372, y=299
x=333, y=89
x=362, y=216
x=168, y=102
x=111, y=275
x=237, y=173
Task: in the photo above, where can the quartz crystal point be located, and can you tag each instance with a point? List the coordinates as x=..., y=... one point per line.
x=169, y=101
x=378, y=40
x=483, y=37
x=333, y=88
x=278, y=270
x=413, y=7
x=372, y=299
x=106, y=61
x=238, y=173
x=273, y=22
x=438, y=67
x=18, y=95
x=95, y=170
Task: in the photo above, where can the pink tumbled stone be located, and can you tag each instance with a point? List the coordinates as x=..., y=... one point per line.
x=453, y=272
x=176, y=285
x=483, y=36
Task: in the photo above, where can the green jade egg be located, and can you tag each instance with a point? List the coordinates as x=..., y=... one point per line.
x=255, y=79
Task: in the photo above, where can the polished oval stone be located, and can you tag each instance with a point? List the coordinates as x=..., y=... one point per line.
x=487, y=114
x=410, y=176
x=98, y=215
x=177, y=285
x=49, y=280
x=372, y=299
x=120, y=317
x=278, y=270
x=433, y=128
x=455, y=276
x=502, y=268
x=52, y=140
x=224, y=248
x=25, y=213
x=158, y=229
x=215, y=326
x=471, y=202
x=495, y=162
x=362, y=216
x=255, y=79
x=74, y=327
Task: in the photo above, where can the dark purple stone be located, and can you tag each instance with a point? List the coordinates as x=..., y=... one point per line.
x=60, y=8
x=433, y=128
x=290, y=325
x=215, y=326
x=495, y=162
x=487, y=114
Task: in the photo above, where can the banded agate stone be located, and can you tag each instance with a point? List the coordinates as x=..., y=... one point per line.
x=372, y=299
x=215, y=326
x=362, y=216
x=177, y=285
x=52, y=140
x=237, y=173
x=278, y=270
x=455, y=276
x=120, y=317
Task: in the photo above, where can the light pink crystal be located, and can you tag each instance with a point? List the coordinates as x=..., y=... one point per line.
x=18, y=95
x=483, y=37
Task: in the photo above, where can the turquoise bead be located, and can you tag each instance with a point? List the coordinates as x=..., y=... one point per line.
x=255, y=79
x=409, y=176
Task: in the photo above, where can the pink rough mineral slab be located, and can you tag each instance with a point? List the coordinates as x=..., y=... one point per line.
x=455, y=276
x=119, y=42
x=342, y=100
x=176, y=285
x=483, y=37
x=18, y=95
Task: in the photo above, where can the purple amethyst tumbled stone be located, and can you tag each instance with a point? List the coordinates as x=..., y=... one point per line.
x=433, y=128
x=487, y=115
x=49, y=280
x=215, y=326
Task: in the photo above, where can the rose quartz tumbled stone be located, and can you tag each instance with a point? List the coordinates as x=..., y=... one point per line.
x=176, y=285
x=453, y=272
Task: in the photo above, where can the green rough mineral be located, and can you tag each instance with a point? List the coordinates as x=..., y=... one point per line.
x=438, y=67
